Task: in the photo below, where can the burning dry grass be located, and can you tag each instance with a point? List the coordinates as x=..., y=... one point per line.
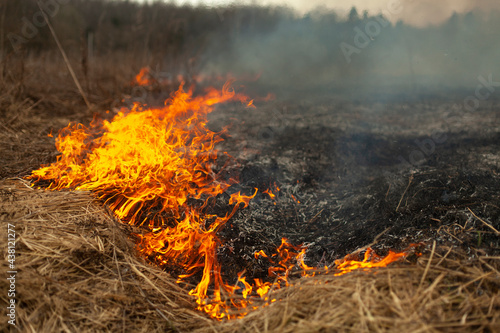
x=78, y=272
x=439, y=294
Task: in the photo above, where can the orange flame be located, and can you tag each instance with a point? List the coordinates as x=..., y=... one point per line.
x=370, y=260
x=142, y=78
x=146, y=164
x=271, y=194
x=294, y=198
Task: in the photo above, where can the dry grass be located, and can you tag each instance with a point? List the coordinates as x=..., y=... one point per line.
x=78, y=272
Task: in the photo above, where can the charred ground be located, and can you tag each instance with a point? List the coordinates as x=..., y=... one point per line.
x=343, y=162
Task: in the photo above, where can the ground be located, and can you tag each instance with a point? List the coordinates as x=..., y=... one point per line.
x=349, y=166
x=340, y=166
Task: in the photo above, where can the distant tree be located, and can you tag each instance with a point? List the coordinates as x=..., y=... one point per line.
x=451, y=26
x=353, y=15
x=470, y=20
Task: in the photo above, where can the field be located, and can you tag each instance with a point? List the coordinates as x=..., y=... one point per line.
x=351, y=169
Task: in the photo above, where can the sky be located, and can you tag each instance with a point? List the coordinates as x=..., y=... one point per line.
x=414, y=12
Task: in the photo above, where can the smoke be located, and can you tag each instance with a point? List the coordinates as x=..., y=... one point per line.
x=366, y=53
x=428, y=12
x=417, y=12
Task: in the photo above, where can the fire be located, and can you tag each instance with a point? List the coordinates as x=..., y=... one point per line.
x=271, y=194
x=370, y=260
x=157, y=168
x=148, y=77
x=146, y=164
x=142, y=79
x=291, y=257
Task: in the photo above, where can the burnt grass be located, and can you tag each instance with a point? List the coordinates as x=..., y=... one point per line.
x=352, y=188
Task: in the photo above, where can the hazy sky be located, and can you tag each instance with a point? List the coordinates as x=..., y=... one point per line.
x=416, y=12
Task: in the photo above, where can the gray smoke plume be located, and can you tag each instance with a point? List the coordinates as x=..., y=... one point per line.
x=367, y=53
